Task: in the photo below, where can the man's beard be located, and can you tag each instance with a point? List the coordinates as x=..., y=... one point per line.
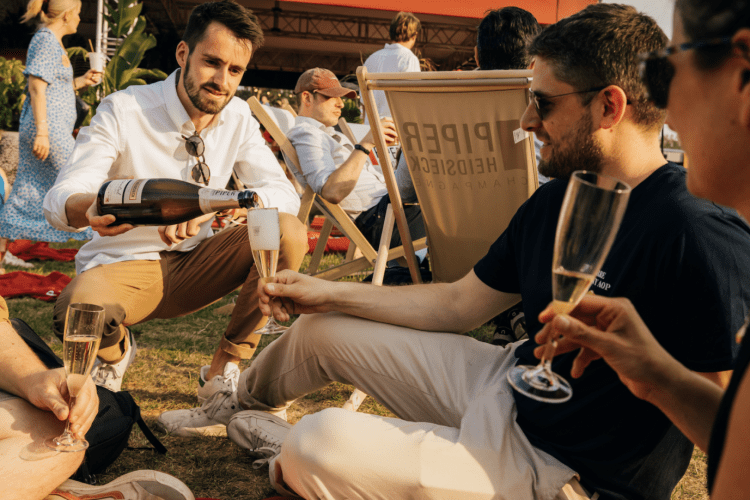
x=210, y=107
x=580, y=152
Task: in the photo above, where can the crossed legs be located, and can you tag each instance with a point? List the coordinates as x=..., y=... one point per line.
x=455, y=435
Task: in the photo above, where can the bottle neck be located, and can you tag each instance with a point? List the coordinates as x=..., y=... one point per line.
x=248, y=199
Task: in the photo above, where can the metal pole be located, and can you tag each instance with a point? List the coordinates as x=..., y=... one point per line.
x=99, y=24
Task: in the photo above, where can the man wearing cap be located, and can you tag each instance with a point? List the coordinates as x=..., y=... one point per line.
x=336, y=169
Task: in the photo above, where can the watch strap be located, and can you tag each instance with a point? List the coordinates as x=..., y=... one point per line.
x=360, y=147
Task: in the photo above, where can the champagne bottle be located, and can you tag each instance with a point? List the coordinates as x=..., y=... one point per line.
x=163, y=202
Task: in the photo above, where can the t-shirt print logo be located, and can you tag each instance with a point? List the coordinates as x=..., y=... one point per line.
x=600, y=283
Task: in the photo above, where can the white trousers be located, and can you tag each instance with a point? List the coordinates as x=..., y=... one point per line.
x=456, y=436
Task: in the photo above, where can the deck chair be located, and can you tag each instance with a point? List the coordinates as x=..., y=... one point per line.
x=471, y=164
x=334, y=214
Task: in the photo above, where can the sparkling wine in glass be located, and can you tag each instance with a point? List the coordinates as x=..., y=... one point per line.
x=83, y=333
x=589, y=219
x=264, y=232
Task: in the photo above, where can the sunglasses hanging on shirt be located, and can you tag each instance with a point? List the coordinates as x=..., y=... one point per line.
x=195, y=147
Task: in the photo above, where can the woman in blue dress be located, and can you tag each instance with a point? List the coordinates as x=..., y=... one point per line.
x=47, y=119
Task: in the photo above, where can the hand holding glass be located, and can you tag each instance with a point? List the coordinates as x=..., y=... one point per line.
x=589, y=219
x=265, y=235
x=83, y=333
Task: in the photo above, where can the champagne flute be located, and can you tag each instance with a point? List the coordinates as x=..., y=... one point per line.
x=590, y=216
x=83, y=333
x=264, y=232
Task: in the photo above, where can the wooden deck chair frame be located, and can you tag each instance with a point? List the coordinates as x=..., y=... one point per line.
x=334, y=213
x=463, y=82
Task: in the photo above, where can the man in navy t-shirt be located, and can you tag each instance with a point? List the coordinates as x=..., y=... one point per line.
x=461, y=431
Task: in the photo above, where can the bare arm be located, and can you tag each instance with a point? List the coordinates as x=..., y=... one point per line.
x=446, y=307
x=611, y=329
x=731, y=477
x=38, y=95
x=23, y=374
x=343, y=180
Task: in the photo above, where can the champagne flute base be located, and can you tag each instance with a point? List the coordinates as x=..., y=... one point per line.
x=66, y=444
x=536, y=383
x=271, y=329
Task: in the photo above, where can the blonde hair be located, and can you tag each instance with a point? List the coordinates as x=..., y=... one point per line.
x=404, y=26
x=48, y=10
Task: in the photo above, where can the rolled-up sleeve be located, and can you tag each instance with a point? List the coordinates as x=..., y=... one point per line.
x=260, y=171
x=315, y=157
x=96, y=148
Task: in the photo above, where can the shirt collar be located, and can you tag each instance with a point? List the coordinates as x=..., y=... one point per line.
x=315, y=123
x=177, y=111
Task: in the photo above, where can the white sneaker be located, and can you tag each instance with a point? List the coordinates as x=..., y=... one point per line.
x=209, y=420
x=110, y=376
x=139, y=485
x=12, y=260
x=258, y=432
x=228, y=380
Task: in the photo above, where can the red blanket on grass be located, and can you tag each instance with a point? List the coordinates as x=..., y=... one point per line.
x=21, y=283
x=337, y=242
x=26, y=250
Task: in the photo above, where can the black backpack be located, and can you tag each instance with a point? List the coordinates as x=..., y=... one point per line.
x=109, y=433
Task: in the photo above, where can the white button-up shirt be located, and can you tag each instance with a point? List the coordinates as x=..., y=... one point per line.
x=393, y=58
x=138, y=133
x=321, y=150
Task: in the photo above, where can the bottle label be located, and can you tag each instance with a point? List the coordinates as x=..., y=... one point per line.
x=120, y=192
x=214, y=200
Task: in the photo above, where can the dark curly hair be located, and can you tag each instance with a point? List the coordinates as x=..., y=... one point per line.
x=598, y=46
x=503, y=37
x=239, y=20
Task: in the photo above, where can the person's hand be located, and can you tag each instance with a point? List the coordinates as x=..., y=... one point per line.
x=611, y=329
x=389, y=131
x=91, y=77
x=297, y=294
x=102, y=224
x=41, y=147
x=48, y=390
x=177, y=233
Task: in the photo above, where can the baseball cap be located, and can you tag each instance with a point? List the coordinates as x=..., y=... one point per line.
x=323, y=82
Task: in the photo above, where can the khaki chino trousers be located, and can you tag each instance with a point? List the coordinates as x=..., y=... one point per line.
x=181, y=283
x=455, y=437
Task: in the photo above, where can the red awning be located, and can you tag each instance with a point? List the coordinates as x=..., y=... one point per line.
x=545, y=11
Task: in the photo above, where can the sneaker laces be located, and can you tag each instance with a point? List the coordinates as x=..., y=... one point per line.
x=105, y=372
x=267, y=454
x=231, y=379
x=216, y=401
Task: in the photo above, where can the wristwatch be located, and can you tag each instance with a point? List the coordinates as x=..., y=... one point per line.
x=360, y=147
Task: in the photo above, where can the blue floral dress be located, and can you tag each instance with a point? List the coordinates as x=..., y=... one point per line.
x=22, y=216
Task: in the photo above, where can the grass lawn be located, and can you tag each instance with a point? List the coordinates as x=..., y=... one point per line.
x=164, y=377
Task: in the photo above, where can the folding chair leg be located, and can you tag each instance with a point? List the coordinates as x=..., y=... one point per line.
x=317, y=255
x=357, y=396
x=351, y=252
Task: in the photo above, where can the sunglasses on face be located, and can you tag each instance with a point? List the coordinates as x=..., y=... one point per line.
x=195, y=147
x=656, y=72
x=542, y=103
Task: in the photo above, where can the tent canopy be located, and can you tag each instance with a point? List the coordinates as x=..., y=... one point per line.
x=545, y=11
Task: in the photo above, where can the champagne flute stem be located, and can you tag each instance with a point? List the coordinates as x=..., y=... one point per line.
x=549, y=353
x=67, y=435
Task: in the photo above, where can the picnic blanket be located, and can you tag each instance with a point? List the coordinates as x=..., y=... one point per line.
x=26, y=250
x=21, y=283
x=337, y=242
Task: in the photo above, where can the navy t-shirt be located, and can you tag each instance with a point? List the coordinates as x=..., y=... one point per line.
x=685, y=265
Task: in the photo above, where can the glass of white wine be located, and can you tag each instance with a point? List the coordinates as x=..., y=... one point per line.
x=83, y=333
x=590, y=216
x=265, y=235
